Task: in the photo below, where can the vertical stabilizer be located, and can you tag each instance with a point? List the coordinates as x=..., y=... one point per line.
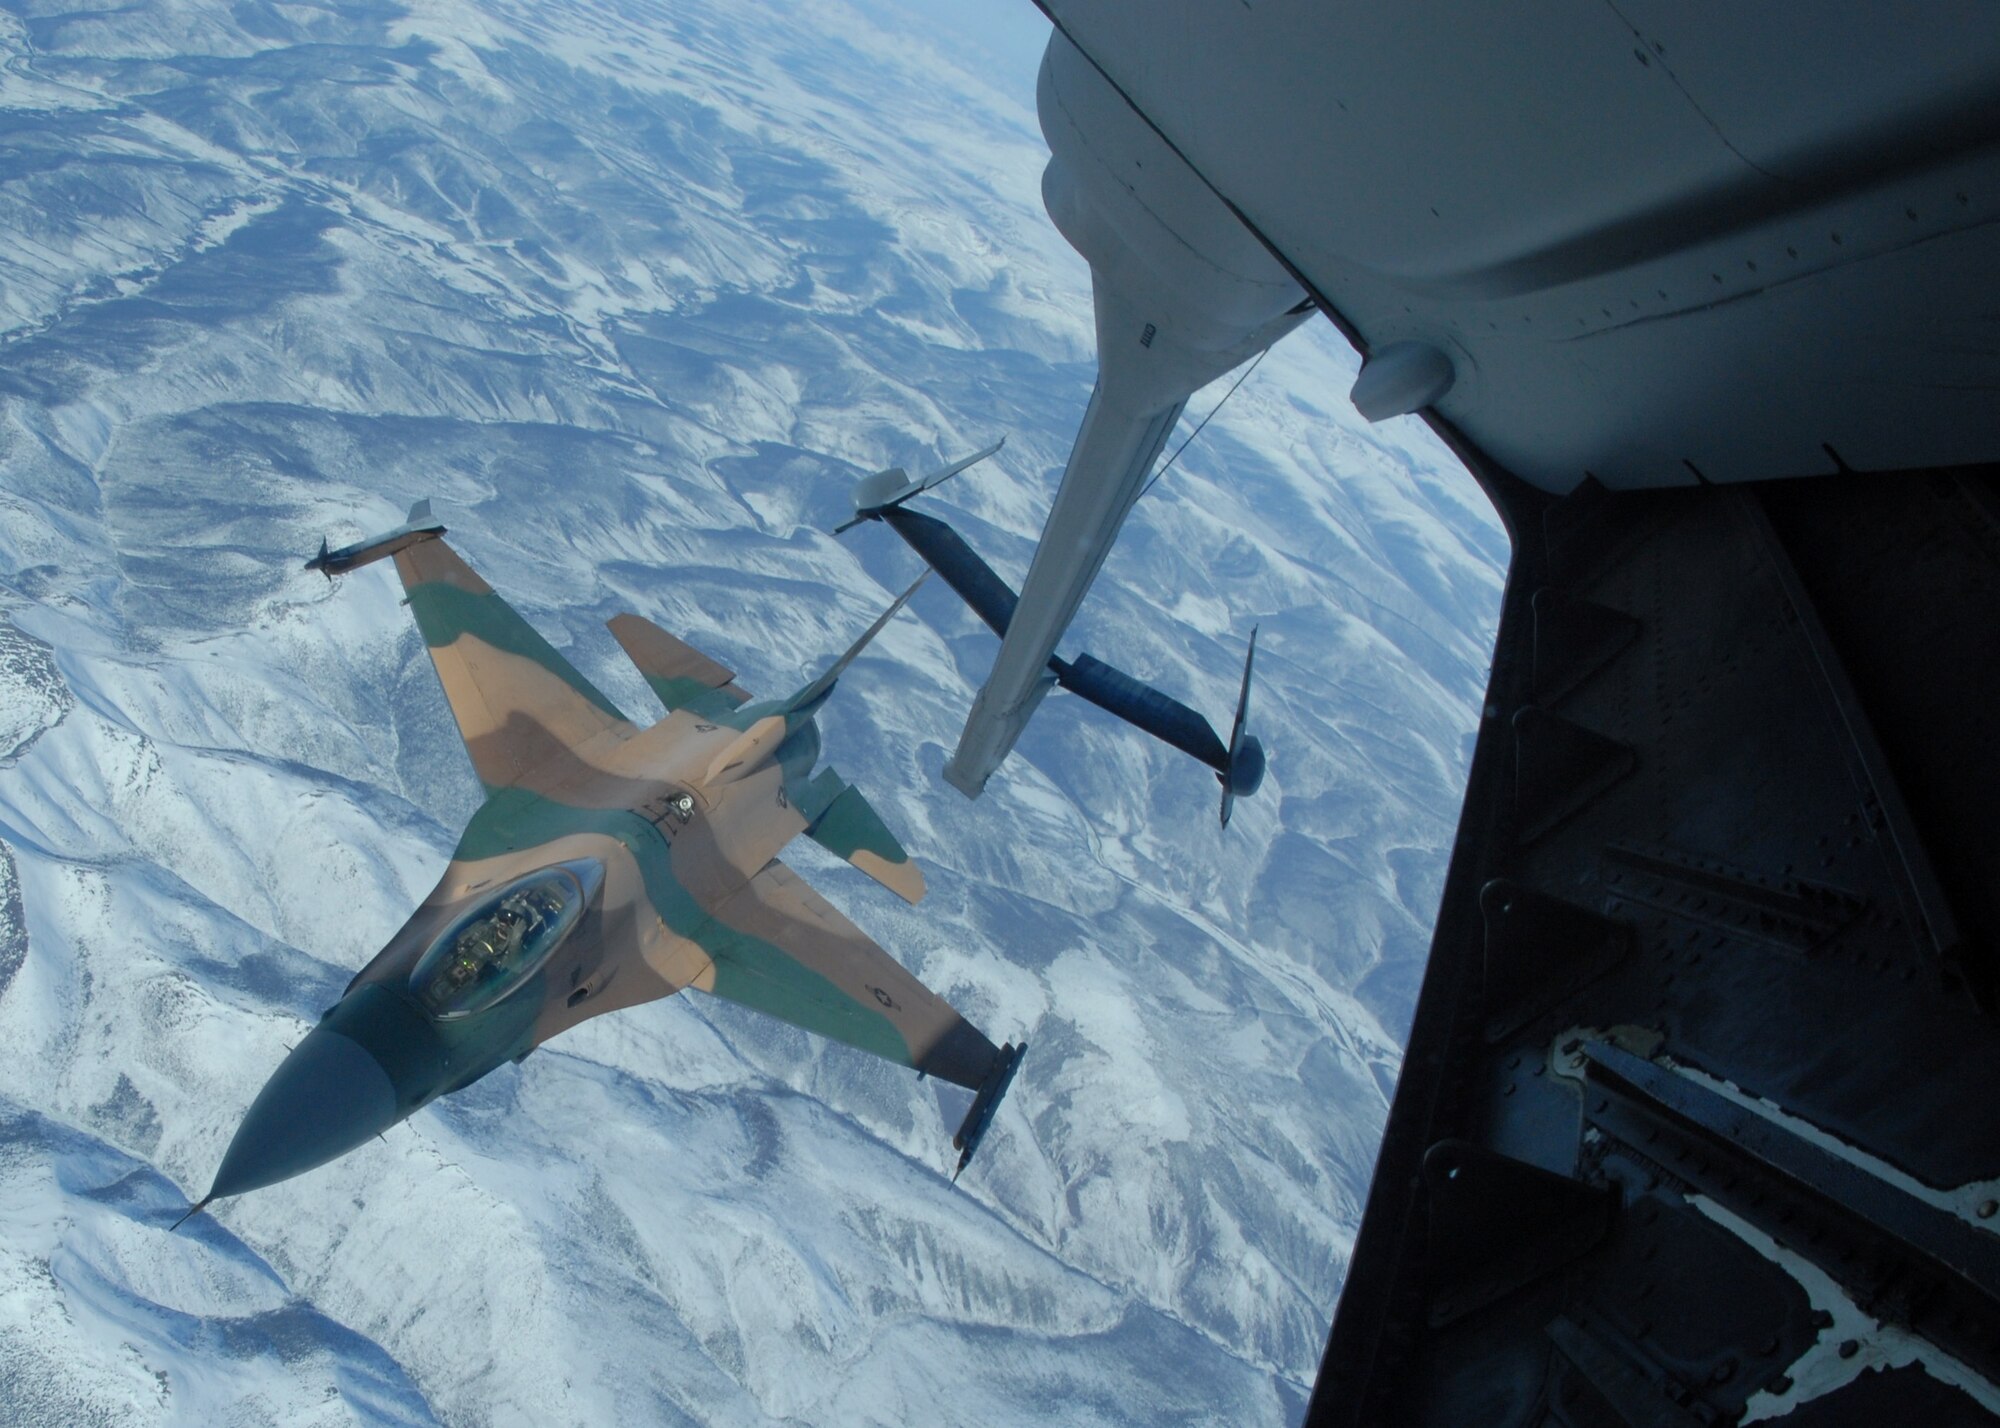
x=815, y=693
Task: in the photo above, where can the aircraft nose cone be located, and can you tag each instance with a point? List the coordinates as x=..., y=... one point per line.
x=327, y=1097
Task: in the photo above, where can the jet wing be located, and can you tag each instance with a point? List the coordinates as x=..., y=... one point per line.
x=519, y=704
x=780, y=947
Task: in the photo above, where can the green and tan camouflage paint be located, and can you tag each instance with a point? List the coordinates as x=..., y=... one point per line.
x=687, y=818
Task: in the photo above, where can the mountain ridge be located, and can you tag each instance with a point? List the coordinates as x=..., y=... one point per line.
x=633, y=293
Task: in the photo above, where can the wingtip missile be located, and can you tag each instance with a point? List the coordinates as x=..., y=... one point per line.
x=418, y=527
x=887, y=489
x=979, y=1119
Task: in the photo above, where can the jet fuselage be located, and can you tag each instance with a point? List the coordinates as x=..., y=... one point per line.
x=648, y=853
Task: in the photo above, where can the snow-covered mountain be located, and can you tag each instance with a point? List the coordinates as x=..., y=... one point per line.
x=634, y=291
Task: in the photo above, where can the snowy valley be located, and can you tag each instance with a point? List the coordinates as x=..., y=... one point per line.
x=634, y=292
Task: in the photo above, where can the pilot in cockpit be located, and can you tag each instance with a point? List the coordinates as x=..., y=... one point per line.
x=486, y=956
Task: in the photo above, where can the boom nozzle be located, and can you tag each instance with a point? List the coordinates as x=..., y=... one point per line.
x=195, y=1209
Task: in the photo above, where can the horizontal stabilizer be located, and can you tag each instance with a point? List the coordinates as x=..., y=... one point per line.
x=679, y=674
x=979, y=1119
x=417, y=528
x=1243, y=774
x=847, y=825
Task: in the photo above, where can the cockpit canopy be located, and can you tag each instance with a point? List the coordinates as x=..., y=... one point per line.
x=490, y=951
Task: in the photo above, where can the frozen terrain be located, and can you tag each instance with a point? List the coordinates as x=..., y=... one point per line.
x=634, y=292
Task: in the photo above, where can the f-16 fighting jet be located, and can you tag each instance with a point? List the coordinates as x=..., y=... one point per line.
x=610, y=865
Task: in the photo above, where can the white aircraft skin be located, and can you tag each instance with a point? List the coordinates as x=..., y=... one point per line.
x=1108, y=466
x=1182, y=293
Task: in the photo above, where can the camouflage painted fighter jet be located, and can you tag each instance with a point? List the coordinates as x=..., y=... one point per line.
x=610, y=865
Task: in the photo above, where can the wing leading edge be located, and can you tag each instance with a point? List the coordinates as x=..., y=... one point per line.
x=519, y=705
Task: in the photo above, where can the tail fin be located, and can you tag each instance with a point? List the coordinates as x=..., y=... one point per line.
x=886, y=490
x=816, y=692
x=1244, y=772
x=678, y=673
